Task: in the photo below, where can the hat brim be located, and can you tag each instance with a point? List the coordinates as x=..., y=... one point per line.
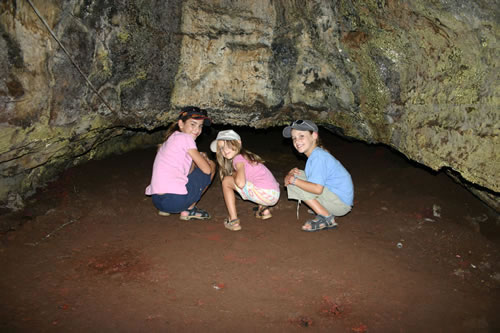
x=213, y=146
x=206, y=121
x=287, y=131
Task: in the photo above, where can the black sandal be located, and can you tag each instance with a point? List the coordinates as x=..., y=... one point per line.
x=195, y=213
x=320, y=222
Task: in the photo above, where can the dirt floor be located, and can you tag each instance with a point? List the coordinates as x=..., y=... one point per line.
x=90, y=254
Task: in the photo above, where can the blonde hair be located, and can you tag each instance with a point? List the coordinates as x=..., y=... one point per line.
x=226, y=166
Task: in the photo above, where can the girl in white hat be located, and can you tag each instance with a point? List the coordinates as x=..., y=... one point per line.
x=243, y=172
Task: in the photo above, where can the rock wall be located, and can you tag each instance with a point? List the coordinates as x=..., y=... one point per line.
x=50, y=118
x=420, y=76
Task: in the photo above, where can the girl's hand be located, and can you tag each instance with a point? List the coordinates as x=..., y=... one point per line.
x=289, y=178
x=204, y=155
x=294, y=171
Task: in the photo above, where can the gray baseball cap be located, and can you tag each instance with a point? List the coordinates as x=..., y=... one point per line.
x=301, y=125
x=224, y=135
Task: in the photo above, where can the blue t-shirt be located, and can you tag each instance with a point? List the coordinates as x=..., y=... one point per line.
x=324, y=169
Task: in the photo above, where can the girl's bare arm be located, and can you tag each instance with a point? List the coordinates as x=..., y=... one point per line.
x=200, y=161
x=239, y=175
x=291, y=178
x=308, y=186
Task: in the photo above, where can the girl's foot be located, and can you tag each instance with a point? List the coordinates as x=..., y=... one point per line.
x=320, y=222
x=263, y=213
x=233, y=225
x=194, y=213
x=161, y=213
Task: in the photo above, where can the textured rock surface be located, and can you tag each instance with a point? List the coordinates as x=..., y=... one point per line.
x=420, y=76
x=50, y=118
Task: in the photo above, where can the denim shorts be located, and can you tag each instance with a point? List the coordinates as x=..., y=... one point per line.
x=176, y=203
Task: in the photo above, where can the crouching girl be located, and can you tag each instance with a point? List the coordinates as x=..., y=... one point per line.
x=243, y=172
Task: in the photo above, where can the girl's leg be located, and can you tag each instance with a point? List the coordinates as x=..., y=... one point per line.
x=213, y=167
x=228, y=187
x=212, y=173
x=265, y=198
x=317, y=207
x=198, y=183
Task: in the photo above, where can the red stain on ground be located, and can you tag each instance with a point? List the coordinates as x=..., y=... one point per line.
x=238, y=259
x=214, y=237
x=332, y=309
x=360, y=329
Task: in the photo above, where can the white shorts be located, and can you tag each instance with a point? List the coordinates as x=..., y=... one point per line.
x=264, y=197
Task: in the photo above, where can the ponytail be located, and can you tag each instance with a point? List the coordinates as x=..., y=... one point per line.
x=170, y=130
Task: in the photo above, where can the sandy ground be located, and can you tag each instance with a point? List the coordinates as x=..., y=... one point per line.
x=90, y=254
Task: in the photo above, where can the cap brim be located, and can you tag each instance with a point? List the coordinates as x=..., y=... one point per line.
x=206, y=121
x=287, y=132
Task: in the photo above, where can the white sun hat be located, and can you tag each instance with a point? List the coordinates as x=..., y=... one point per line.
x=224, y=135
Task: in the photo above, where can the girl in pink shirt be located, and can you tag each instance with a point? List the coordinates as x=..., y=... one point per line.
x=245, y=173
x=180, y=172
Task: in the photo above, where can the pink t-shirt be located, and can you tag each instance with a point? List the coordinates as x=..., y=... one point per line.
x=172, y=164
x=258, y=174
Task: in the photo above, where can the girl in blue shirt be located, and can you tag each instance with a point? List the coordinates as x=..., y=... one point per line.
x=325, y=185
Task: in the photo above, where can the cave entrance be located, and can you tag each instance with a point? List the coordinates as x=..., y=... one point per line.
x=91, y=246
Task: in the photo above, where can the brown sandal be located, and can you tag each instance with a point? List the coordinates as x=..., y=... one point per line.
x=260, y=213
x=233, y=225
